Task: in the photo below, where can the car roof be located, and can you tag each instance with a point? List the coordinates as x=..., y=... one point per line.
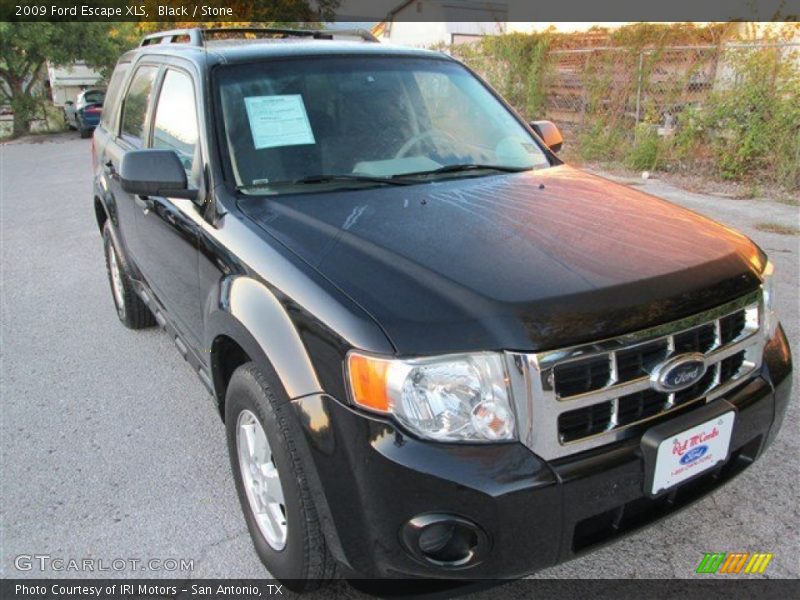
x=248, y=50
x=90, y=91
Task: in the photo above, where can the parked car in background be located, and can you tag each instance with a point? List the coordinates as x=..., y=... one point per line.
x=84, y=113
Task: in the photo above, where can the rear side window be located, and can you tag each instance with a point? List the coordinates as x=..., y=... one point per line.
x=134, y=110
x=111, y=108
x=176, y=118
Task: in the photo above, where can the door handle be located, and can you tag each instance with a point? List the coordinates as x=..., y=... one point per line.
x=144, y=202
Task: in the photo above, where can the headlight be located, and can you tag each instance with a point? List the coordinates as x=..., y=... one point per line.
x=770, y=319
x=456, y=398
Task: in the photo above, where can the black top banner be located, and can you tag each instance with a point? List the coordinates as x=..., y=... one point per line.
x=375, y=11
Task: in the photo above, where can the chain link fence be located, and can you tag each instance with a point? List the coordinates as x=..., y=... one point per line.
x=623, y=86
x=689, y=103
x=627, y=86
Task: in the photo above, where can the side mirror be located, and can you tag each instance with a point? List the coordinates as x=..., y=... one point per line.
x=154, y=173
x=549, y=133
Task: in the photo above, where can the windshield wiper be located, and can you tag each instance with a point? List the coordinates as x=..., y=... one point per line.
x=351, y=177
x=399, y=179
x=311, y=179
x=467, y=167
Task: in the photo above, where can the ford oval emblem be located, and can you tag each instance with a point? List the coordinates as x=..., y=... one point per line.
x=679, y=372
x=693, y=455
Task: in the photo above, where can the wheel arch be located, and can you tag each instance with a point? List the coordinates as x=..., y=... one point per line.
x=100, y=213
x=251, y=324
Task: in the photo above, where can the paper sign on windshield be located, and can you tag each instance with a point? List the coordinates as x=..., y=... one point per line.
x=278, y=121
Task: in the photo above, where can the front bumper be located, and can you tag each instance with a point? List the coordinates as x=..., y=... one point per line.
x=370, y=480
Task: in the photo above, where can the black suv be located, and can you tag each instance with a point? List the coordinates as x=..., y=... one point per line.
x=438, y=351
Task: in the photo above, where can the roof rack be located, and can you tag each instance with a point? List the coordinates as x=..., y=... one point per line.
x=199, y=36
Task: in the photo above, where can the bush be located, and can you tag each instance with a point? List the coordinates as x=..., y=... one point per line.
x=600, y=142
x=520, y=68
x=689, y=141
x=756, y=120
x=735, y=108
x=646, y=153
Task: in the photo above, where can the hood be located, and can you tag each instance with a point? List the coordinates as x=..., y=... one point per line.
x=530, y=261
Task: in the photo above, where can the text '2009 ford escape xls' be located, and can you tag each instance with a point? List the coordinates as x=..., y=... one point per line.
x=438, y=351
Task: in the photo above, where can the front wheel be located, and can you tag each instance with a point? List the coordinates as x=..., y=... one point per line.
x=271, y=481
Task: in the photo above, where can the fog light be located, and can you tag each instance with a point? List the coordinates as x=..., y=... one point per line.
x=435, y=537
x=444, y=540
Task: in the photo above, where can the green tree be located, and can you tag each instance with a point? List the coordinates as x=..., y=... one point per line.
x=291, y=14
x=278, y=13
x=25, y=48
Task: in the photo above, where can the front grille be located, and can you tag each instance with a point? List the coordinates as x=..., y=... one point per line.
x=639, y=405
x=594, y=373
x=576, y=424
x=732, y=326
x=632, y=408
x=699, y=339
x=701, y=387
x=591, y=395
x=587, y=375
x=731, y=365
x=635, y=364
x=582, y=376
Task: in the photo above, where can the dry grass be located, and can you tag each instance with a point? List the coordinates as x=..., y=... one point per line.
x=778, y=228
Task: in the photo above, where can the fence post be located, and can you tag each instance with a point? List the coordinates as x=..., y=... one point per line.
x=585, y=95
x=639, y=87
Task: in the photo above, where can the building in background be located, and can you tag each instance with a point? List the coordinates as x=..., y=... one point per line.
x=425, y=23
x=67, y=82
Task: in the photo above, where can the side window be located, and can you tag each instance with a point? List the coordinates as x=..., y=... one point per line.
x=111, y=107
x=176, y=118
x=111, y=104
x=134, y=110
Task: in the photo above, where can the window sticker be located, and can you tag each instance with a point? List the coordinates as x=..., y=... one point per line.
x=277, y=121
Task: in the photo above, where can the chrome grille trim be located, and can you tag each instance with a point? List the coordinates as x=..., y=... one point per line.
x=532, y=378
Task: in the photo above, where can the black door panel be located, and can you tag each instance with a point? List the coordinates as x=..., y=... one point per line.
x=167, y=235
x=169, y=261
x=132, y=135
x=111, y=157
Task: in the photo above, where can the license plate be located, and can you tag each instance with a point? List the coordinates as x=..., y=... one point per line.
x=693, y=451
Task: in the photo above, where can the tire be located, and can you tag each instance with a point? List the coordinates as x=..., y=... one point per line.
x=302, y=562
x=85, y=133
x=131, y=309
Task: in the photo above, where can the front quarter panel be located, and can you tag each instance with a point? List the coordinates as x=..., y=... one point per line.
x=259, y=293
x=778, y=369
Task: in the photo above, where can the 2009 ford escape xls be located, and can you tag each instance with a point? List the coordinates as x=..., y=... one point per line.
x=438, y=351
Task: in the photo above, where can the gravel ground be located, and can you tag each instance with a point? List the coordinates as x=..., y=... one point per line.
x=111, y=447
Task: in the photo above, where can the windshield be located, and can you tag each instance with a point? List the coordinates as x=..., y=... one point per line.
x=333, y=121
